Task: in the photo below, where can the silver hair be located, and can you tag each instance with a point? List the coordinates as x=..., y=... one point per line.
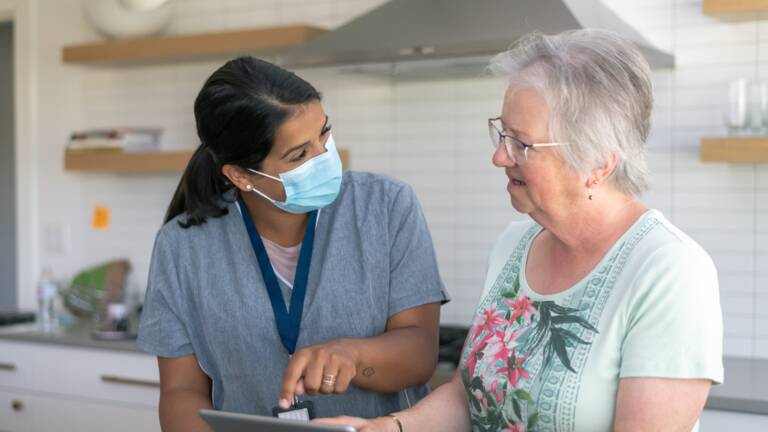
x=597, y=86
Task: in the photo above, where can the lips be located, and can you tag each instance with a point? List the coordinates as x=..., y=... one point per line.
x=516, y=182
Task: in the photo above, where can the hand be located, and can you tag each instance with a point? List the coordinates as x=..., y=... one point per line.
x=324, y=368
x=380, y=424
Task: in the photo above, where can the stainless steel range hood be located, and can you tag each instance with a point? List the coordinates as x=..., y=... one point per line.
x=408, y=30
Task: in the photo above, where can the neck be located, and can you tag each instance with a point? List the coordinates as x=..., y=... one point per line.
x=285, y=229
x=587, y=227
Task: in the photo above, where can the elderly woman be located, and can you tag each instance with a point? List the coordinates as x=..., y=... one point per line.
x=598, y=314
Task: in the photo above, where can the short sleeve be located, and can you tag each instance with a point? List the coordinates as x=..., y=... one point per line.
x=674, y=321
x=161, y=331
x=414, y=276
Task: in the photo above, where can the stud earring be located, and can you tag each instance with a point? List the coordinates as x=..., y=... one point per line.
x=248, y=187
x=590, y=192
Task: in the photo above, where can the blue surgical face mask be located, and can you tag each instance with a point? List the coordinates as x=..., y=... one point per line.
x=310, y=186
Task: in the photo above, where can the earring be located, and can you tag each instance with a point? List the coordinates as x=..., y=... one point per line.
x=248, y=187
x=590, y=192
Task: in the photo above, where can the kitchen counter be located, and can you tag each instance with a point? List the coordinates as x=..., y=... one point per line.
x=74, y=336
x=745, y=388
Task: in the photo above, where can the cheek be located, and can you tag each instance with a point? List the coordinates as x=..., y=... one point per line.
x=549, y=185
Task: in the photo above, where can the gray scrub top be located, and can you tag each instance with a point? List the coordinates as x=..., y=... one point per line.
x=372, y=258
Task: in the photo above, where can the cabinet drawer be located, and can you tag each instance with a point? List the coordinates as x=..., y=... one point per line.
x=30, y=412
x=89, y=373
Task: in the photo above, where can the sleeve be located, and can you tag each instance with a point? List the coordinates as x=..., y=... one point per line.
x=674, y=320
x=414, y=276
x=161, y=330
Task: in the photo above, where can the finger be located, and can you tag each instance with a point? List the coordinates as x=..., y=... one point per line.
x=330, y=375
x=291, y=376
x=313, y=372
x=346, y=375
x=330, y=378
x=355, y=422
x=299, y=391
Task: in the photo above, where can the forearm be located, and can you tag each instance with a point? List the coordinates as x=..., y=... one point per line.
x=446, y=410
x=179, y=411
x=397, y=359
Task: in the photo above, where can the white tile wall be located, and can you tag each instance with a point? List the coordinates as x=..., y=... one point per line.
x=430, y=133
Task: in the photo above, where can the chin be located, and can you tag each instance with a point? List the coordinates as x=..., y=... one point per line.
x=519, y=207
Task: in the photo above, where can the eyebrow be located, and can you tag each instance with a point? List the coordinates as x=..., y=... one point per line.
x=304, y=144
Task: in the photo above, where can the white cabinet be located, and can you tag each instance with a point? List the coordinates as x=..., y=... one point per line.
x=729, y=421
x=45, y=387
x=22, y=412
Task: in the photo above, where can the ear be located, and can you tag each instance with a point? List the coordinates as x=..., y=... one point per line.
x=600, y=174
x=238, y=177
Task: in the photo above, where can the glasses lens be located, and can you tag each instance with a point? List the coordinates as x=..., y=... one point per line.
x=516, y=150
x=493, y=132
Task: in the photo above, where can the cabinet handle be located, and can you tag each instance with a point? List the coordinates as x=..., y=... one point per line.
x=114, y=379
x=17, y=405
x=7, y=366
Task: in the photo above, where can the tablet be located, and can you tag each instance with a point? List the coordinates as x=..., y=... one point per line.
x=222, y=421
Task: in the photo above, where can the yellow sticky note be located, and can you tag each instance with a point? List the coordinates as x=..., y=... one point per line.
x=100, y=218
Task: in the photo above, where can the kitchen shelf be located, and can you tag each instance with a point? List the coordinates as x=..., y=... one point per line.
x=723, y=7
x=752, y=149
x=191, y=46
x=118, y=161
x=145, y=162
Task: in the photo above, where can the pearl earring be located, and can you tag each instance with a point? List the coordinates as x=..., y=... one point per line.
x=248, y=187
x=591, y=193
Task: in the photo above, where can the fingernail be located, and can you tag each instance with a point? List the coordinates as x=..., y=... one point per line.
x=283, y=403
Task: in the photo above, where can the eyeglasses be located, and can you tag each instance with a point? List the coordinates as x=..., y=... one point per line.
x=516, y=149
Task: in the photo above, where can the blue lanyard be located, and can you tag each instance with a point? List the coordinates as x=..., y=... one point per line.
x=288, y=322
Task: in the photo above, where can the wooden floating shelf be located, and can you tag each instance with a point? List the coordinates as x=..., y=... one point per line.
x=119, y=161
x=735, y=149
x=144, y=162
x=723, y=7
x=191, y=46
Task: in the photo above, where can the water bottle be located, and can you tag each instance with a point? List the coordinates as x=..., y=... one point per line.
x=47, y=291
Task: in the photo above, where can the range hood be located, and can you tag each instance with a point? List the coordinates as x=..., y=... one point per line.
x=464, y=31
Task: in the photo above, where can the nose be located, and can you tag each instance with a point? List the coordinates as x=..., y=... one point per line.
x=317, y=148
x=501, y=158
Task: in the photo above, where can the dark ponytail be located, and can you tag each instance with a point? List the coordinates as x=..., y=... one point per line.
x=238, y=111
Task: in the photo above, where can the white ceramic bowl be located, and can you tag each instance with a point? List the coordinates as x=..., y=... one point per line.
x=120, y=19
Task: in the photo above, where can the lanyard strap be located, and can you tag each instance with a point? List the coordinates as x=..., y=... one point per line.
x=288, y=320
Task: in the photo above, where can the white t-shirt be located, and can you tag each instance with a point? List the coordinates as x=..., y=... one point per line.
x=650, y=308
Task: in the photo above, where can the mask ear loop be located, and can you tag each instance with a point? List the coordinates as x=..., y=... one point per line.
x=265, y=175
x=250, y=188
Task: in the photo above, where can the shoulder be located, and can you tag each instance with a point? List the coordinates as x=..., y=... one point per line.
x=172, y=234
x=375, y=191
x=371, y=182
x=665, y=246
x=668, y=267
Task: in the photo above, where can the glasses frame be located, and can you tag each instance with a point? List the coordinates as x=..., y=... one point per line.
x=508, y=139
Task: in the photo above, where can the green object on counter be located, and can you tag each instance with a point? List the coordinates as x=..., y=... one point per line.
x=92, y=288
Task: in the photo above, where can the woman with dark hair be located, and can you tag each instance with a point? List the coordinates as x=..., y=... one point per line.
x=278, y=281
